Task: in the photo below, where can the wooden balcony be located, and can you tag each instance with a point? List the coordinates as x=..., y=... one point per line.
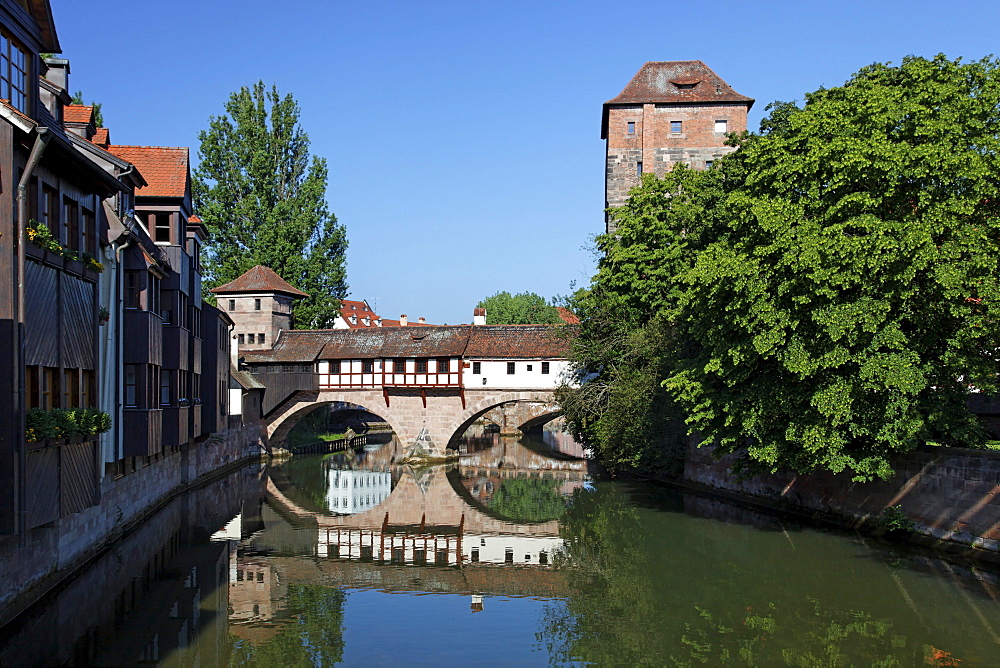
x=143, y=431
x=144, y=337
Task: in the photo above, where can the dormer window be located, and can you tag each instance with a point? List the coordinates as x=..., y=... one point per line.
x=685, y=83
x=13, y=74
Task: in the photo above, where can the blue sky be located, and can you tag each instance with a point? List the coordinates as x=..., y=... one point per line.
x=463, y=138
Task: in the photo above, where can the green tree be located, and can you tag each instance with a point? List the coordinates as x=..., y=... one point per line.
x=629, y=338
x=528, y=500
x=525, y=308
x=849, y=302
x=264, y=200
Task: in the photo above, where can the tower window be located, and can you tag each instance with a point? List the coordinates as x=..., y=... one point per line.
x=256, y=305
x=676, y=126
x=638, y=168
x=260, y=338
x=631, y=127
x=232, y=304
x=721, y=127
x=249, y=338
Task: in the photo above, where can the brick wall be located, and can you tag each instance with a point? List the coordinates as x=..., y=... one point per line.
x=653, y=142
x=952, y=494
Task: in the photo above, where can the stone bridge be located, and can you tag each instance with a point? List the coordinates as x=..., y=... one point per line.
x=426, y=420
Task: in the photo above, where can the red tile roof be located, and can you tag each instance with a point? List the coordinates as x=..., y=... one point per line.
x=359, y=311
x=519, y=341
x=674, y=82
x=660, y=82
x=484, y=341
x=77, y=113
x=259, y=279
x=102, y=138
x=567, y=316
x=165, y=168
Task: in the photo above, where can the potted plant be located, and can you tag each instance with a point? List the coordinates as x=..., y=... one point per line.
x=103, y=315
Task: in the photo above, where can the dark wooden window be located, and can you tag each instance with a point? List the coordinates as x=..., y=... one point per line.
x=50, y=210
x=131, y=385
x=71, y=216
x=50, y=388
x=13, y=73
x=250, y=338
x=528, y=367
x=239, y=339
x=260, y=338
x=545, y=367
x=256, y=304
x=89, y=233
x=196, y=387
x=335, y=366
x=510, y=368
x=421, y=366
x=163, y=227
x=399, y=365
x=183, y=386
x=182, y=310
x=477, y=367
x=167, y=308
x=166, y=387
x=88, y=399
x=71, y=388
x=132, y=289
x=232, y=304
x=33, y=380
x=442, y=365
x=367, y=366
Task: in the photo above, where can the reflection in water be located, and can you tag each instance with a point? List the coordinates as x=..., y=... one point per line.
x=263, y=569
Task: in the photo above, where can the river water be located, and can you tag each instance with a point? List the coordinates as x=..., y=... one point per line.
x=518, y=555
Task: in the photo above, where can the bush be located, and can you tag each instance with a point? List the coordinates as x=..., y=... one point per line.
x=44, y=423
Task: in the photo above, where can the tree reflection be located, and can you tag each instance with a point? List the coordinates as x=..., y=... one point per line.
x=528, y=500
x=606, y=618
x=314, y=636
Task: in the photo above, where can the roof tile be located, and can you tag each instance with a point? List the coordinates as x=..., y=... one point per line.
x=662, y=82
x=165, y=168
x=259, y=279
x=77, y=113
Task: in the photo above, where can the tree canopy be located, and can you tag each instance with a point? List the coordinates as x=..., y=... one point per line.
x=826, y=295
x=525, y=308
x=263, y=199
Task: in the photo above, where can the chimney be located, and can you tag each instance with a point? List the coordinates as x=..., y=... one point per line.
x=403, y=322
x=421, y=320
x=478, y=316
x=57, y=71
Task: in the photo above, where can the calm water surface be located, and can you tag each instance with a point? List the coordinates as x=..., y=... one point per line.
x=518, y=555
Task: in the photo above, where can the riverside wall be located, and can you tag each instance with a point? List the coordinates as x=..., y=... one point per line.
x=952, y=494
x=32, y=565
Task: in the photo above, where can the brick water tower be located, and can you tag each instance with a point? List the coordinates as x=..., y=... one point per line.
x=670, y=112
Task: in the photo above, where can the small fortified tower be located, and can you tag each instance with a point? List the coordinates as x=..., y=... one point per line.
x=260, y=303
x=670, y=112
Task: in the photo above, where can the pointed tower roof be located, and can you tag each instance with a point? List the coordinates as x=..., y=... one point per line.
x=675, y=82
x=259, y=279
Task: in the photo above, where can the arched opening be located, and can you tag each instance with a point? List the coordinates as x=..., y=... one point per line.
x=306, y=420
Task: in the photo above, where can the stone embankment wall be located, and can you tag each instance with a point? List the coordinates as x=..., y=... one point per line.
x=952, y=494
x=48, y=553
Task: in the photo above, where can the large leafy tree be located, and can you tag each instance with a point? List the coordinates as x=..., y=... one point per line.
x=264, y=200
x=525, y=308
x=850, y=302
x=831, y=296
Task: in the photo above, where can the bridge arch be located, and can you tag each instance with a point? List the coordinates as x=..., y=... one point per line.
x=284, y=418
x=543, y=409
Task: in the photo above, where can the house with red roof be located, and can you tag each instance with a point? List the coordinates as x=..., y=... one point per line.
x=358, y=315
